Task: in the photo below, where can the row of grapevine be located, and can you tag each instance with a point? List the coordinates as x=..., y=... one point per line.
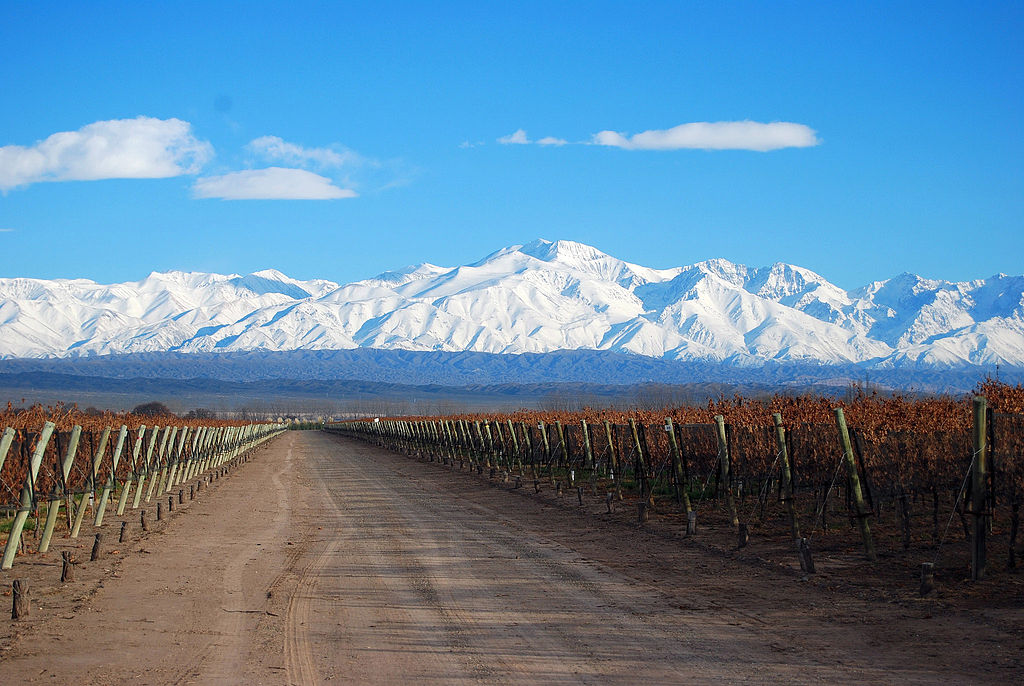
x=100, y=467
x=896, y=489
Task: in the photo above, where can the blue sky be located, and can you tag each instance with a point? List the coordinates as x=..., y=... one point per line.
x=859, y=141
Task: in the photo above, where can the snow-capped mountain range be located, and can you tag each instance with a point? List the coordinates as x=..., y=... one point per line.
x=539, y=297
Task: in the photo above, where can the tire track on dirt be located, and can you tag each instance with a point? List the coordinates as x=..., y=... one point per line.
x=236, y=623
x=300, y=667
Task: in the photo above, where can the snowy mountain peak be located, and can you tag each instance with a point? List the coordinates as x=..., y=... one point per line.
x=404, y=275
x=565, y=252
x=538, y=297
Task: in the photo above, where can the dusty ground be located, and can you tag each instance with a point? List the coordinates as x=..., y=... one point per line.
x=324, y=559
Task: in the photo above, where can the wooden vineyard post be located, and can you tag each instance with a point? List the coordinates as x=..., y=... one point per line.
x=446, y=436
x=460, y=443
x=588, y=450
x=528, y=447
x=646, y=493
x=613, y=460
x=475, y=448
x=440, y=440
x=500, y=445
x=453, y=442
x=724, y=466
x=497, y=443
x=27, y=496
x=858, y=496
x=446, y=443
x=407, y=438
x=463, y=436
x=53, y=506
x=563, y=454
x=806, y=559
x=515, y=448
x=437, y=441
x=91, y=488
x=979, y=490
x=494, y=439
x=101, y=507
x=787, y=477
x=682, y=490
x=22, y=599
x=483, y=448
x=547, y=451
x=927, y=578
x=67, y=570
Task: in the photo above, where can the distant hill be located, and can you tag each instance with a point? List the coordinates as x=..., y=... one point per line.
x=469, y=369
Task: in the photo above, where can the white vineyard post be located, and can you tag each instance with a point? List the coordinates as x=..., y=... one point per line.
x=101, y=508
x=27, y=494
x=97, y=459
x=55, y=497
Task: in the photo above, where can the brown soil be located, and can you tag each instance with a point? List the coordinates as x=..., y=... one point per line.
x=325, y=559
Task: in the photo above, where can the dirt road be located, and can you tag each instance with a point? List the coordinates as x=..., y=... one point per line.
x=324, y=559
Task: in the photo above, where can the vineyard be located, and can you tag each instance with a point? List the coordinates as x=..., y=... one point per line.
x=935, y=480
x=58, y=458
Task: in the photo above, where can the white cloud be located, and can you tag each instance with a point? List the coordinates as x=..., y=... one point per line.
x=274, y=148
x=140, y=148
x=6, y=230
x=272, y=183
x=517, y=138
x=722, y=135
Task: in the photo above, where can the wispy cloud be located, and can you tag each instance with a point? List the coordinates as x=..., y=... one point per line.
x=272, y=183
x=332, y=171
x=276, y=149
x=551, y=140
x=701, y=135
x=6, y=230
x=721, y=135
x=140, y=148
x=517, y=138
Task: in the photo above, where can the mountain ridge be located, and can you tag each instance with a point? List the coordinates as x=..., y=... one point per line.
x=539, y=297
